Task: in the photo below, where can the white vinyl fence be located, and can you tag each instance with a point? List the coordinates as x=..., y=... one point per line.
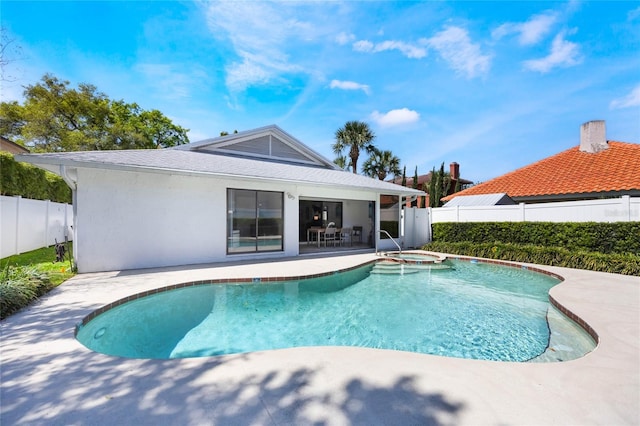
x=623, y=209
x=31, y=224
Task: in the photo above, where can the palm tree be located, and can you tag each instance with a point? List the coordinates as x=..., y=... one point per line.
x=380, y=164
x=342, y=162
x=354, y=136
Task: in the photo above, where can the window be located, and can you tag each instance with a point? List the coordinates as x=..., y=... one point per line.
x=254, y=221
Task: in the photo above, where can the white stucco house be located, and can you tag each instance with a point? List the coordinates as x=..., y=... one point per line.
x=249, y=195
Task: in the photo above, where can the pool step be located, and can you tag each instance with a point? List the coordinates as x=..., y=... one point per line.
x=396, y=268
x=392, y=268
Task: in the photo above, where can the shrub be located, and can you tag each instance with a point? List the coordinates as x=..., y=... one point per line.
x=391, y=226
x=19, y=286
x=608, y=238
x=627, y=264
x=31, y=182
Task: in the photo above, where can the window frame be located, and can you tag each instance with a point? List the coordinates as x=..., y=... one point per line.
x=232, y=232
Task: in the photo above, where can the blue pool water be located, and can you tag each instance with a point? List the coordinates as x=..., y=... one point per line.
x=474, y=310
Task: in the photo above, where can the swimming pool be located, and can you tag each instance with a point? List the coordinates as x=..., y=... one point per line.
x=476, y=311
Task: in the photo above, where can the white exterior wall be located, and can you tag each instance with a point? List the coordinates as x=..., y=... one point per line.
x=131, y=220
x=31, y=224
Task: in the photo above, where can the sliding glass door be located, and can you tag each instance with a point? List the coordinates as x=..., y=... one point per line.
x=255, y=221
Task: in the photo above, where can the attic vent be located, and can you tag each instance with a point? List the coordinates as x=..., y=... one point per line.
x=267, y=146
x=253, y=146
x=282, y=150
x=593, y=136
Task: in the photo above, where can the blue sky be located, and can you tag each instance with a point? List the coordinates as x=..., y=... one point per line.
x=491, y=85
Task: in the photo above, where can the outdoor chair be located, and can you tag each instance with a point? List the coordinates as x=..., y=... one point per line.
x=357, y=233
x=345, y=235
x=330, y=234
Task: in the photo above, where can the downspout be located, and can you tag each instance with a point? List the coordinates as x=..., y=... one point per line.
x=71, y=179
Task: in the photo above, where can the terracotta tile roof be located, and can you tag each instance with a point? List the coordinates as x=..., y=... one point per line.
x=616, y=168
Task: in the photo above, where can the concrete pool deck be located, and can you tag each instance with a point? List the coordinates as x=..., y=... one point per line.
x=48, y=378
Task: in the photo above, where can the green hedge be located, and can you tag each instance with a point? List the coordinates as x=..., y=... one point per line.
x=391, y=226
x=608, y=238
x=31, y=182
x=628, y=264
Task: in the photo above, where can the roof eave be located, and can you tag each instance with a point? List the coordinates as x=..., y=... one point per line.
x=54, y=164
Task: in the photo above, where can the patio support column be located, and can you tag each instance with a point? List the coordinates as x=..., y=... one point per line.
x=376, y=224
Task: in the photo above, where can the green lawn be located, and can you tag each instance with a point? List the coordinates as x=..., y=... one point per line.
x=43, y=260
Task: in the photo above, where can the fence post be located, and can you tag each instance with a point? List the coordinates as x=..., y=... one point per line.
x=522, y=213
x=625, y=200
x=17, y=248
x=46, y=223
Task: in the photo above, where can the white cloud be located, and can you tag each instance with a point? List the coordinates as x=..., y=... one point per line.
x=169, y=80
x=247, y=73
x=349, y=85
x=395, y=117
x=344, y=38
x=363, y=46
x=455, y=47
x=408, y=50
x=630, y=100
x=259, y=33
x=531, y=31
x=563, y=54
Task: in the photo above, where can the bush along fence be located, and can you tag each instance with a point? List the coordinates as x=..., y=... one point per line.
x=30, y=181
x=608, y=247
x=19, y=286
x=34, y=206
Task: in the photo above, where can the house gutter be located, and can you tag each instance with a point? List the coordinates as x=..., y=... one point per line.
x=70, y=176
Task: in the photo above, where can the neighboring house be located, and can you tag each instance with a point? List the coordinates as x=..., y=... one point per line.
x=597, y=168
x=481, y=200
x=11, y=147
x=424, y=180
x=250, y=195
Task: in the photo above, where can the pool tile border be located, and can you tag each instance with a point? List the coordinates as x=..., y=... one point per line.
x=575, y=318
x=567, y=312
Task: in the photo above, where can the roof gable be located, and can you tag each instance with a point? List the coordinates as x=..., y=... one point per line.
x=266, y=143
x=570, y=173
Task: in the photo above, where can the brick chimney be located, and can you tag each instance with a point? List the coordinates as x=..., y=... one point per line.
x=593, y=136
x=454, y=171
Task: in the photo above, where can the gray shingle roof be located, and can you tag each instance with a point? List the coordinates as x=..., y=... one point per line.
x=190, y=162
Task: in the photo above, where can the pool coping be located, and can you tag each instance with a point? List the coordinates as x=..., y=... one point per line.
x=49, y=378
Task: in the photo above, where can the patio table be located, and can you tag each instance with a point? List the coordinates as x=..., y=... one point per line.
x=314, y=230
x=318, y=231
